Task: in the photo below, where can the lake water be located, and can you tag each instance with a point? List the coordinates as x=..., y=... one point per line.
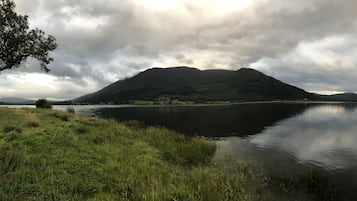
x=279, y=136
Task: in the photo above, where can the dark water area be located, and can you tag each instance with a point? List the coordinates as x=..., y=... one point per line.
x=208, y=121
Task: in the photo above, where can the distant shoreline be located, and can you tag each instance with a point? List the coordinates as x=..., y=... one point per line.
x=201, y=104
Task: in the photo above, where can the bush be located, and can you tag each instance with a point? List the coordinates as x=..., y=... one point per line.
x=43, y=103
x=70, y=110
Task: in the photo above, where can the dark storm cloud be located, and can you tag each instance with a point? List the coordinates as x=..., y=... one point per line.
x=102, y=42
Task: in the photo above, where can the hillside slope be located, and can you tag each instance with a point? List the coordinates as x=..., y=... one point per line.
x=190, y=84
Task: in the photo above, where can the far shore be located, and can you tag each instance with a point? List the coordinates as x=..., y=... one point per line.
x=186, y=104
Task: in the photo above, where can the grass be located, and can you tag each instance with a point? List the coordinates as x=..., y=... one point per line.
x=53, y=155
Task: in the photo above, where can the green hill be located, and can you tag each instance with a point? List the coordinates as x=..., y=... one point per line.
x=190, y=84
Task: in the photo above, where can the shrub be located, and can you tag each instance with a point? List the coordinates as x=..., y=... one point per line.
x=70, y=110
x=43, y=103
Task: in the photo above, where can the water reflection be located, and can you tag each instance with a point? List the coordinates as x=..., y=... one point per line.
x=324, y=135
x=217, y=121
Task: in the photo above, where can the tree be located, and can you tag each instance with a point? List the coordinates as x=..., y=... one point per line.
x=18, y=42
x=43, y=104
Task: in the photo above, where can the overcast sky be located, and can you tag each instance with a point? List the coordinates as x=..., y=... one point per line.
x=308, y=43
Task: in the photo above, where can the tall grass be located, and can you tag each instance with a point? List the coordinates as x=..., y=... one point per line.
x=64, y=156
x=72, y=157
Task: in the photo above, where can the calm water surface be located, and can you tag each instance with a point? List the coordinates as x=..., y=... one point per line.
x=279, y=136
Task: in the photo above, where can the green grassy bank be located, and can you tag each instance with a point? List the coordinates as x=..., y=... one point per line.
x=53, y=155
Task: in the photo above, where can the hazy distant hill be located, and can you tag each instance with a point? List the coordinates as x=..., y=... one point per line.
x=190, y=84
x=342, y=97
x=17, y=101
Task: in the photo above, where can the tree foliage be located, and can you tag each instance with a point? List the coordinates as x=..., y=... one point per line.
x=18, y=42
x=43, y=103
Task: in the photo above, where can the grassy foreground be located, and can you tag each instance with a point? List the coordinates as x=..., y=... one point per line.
x=53, y=155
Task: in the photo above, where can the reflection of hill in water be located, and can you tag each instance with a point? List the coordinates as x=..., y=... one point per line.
x=216, y=121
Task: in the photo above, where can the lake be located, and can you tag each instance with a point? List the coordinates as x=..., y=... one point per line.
x=279, y=136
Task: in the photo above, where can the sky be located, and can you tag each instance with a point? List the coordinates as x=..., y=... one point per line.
x=311, y=44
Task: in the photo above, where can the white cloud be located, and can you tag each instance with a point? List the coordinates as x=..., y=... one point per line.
x=327, y=65
x=307, y=43
x=36, y=85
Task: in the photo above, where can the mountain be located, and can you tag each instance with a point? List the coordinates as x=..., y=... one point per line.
x=16, y=101
x=190, y=84
x=342, y=97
